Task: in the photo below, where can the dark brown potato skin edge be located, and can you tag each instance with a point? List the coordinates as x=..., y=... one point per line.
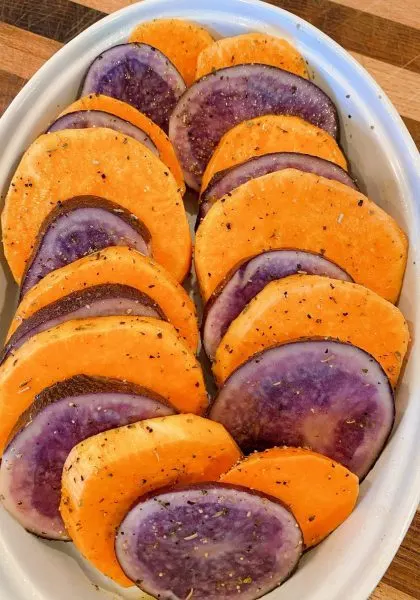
x=71, y=204
x=95, y=292
x=77, y=386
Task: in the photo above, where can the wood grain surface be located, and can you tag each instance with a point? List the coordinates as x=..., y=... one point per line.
x=383, y=35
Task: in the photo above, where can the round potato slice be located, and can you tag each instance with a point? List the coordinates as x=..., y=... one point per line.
x=238, y=543
x=98, y=162
x=329, y=396
x=292, y=209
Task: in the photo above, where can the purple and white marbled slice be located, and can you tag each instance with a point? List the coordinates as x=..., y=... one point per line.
x=331, y=397
x=208, y=541
x=139, y=75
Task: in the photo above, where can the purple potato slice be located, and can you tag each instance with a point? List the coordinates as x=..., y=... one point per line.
x=78, y=227
x=224, y=98
x=61, y=417
x=208, y=541
x=230, y=299
x=83, y=119
x=96, y=301
x=331, y=397
x=226, y=181
x=139, y=75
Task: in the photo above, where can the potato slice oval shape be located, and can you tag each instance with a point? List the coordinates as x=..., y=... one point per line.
x=331, y=397
x=312, y=306
x=103, y=478
x=226, y=521
x=144, y=351
x=140, y=75
x=291, y=209
x=109, y=165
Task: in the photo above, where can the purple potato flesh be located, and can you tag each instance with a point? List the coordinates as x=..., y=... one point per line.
x=96, y=301
x=60, y=418
x=226, y=181
x=78, y=227
x=328, y=396
x=249, y=279
x=224, y=98
x=139, y=75
x=83, y=119
x=208, y=541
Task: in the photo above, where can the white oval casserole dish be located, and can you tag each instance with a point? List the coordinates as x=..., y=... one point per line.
x=350, y=563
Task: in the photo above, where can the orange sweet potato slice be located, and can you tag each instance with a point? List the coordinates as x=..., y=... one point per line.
x=251, y=48
x=292, y=209
x=181, y=41
x=313, y=306
x=119, y=265
x=105, y=475
x=320, y=492
x=129, y=113
x=144, y=351
x=272, y=133
x=98, y=162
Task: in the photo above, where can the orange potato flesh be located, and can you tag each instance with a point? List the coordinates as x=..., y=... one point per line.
x=117, y=264
x=258, y=48
x=105, y=475
x=144, y=351
x=292, y=209
x=181, y=41
x=272, y=133
x=132, y=115
x=320, y=492
x=98, y=162
x=313, y=306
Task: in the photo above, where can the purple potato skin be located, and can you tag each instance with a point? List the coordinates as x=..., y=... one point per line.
x=95, y=301
x=83, y=119
x=139, y=75
x=78, y=227
x=328, y=396
x=226, y=181
x=208, y=541
x=31, y=468
x=249, y=279
x=224, y=98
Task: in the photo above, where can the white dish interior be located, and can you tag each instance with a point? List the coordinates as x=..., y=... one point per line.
x=349, y=564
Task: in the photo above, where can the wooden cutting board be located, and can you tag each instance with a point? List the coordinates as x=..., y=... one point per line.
x=383, y=35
